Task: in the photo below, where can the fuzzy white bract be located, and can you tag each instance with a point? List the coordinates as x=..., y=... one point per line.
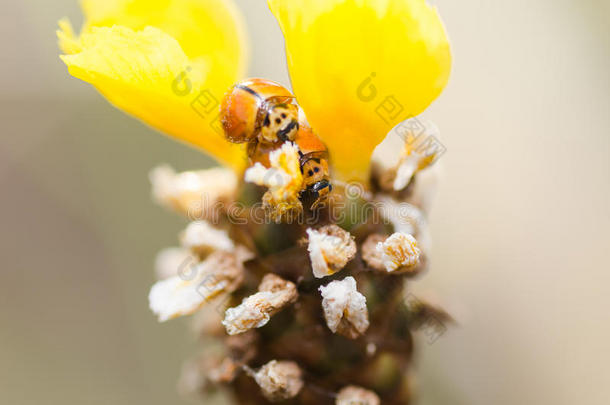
x=256, y=310
x=345, y=308
x=330, y=248
x=195, y=285
x=279, y=380
x=398, y=251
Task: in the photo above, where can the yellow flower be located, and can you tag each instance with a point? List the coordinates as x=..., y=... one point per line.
x=166, y=62
x=359, y=67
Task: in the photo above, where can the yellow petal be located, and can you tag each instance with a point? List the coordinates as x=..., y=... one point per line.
x=208, y=29
x=360, y=67
x=167, y=63
x=66, y=38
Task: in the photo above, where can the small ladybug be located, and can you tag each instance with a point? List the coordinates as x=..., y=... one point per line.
x=314, y=165
x=264, y=114
x=259, y=110
x=313, y=160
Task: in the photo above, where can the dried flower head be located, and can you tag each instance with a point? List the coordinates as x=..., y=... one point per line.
x=399, y=251
x=397, y=254
x=279, y=380
x=330, y=248
x=183, y=294
x=345, y=308
x=202, y=238
x=195, y=194
x=256, y=310
x=352, y=395
x=284, y=180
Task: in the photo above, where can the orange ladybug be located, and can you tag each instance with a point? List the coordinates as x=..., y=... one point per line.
x=259, y=110
x=264, y=114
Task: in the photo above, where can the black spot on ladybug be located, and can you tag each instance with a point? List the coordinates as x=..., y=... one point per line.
x=316, y=169
x=310, y=172
x=266, y=122
x=284, y=115
x=277, y=120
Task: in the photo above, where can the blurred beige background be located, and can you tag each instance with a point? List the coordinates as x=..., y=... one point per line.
x=520, y=227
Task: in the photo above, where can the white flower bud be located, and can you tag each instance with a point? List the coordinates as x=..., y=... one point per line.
x=256, y=310
x=330, y=248
x=345, y=308
x=399, y=251
x=279, y=380
x=196, y=285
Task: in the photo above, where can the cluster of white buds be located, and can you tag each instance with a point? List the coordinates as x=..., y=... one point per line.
x=209, y=267
x=274, y=293
x=330, y=248
x=345, y=308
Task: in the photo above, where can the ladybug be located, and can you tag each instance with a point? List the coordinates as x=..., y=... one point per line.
x=264, y=114
x=313, y=159
x=259, y=110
